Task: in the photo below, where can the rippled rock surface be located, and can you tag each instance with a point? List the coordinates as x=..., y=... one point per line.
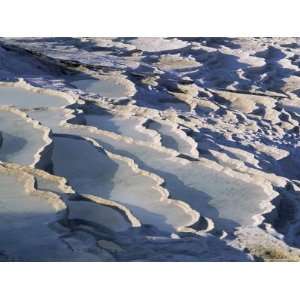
x=149, y=149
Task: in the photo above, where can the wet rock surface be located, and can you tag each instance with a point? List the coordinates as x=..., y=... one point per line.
x=149, y=149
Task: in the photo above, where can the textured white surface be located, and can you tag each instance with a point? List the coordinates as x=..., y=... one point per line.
x=198, y=136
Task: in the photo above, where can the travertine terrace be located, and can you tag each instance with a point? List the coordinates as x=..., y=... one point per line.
x=149, y=149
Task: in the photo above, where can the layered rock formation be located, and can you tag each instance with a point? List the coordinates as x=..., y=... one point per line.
x=149, y=149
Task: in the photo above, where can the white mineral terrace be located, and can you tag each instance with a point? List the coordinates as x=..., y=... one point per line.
x=22, y=138
x=106, y=87
x=25, y=218
x=130, y=126
x=22, y=98
x=137, y=149
x=210, y=192
x=91, y=171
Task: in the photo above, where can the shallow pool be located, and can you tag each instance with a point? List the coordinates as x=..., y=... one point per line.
x=23, y=98
x=20, y=140
x=105, y=87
